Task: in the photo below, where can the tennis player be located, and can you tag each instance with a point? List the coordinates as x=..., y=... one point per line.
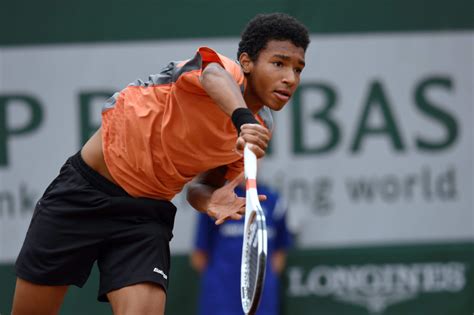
x=110, y=202
x=217, y=257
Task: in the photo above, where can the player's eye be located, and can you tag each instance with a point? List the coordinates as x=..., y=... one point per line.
x=278, y=64
x=298, y=70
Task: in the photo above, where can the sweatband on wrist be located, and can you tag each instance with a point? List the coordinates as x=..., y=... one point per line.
x=242, y=116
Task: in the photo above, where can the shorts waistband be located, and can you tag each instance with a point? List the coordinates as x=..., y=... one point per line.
x=95, y=178
x=162, y=210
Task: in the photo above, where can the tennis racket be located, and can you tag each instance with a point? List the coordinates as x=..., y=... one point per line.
x=254, y=247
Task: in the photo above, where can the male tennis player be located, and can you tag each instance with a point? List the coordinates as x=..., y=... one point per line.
x=217, y=257
x=111, y=201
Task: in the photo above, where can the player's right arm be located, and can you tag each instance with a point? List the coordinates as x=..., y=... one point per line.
x=222, y=88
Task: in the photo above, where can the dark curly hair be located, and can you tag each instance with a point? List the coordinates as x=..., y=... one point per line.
x=274, y=26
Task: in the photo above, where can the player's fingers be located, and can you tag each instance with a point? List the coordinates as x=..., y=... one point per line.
x=251, y=139
x=233, y=216
x=242, y=208
x=262, y=197
x=220, y=221
x=257, y=142
x=262, y=134
x=258, y=127
x=259, y=152
x=263, y=137
x=236, y=216
x=239, y=145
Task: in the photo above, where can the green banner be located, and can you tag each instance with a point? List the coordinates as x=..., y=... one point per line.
x=393, y=280
x=389, y=280
x=41, y=22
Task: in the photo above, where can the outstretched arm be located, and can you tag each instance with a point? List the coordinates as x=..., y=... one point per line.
x=209, y=193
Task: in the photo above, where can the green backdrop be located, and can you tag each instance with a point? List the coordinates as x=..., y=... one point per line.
x=39, y=22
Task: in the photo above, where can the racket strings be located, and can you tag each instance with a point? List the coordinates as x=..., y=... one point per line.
x=253, y=256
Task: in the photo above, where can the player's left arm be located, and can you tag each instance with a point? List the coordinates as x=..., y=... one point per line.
x=209, y=193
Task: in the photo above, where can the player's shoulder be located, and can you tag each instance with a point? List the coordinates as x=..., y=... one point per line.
x=209, y=54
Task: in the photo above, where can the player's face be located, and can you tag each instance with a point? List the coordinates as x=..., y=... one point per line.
x=274, y=76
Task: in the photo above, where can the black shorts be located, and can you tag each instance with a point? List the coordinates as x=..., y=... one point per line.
x=82, y=218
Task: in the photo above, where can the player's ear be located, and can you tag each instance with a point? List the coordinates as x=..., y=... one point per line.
x=246, y=62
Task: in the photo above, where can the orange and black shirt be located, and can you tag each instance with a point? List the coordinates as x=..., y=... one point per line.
x=159, y=134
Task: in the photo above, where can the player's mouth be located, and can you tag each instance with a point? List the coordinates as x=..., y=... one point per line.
x=282, y=95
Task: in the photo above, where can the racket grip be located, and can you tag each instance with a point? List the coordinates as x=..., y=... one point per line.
x=250, y=163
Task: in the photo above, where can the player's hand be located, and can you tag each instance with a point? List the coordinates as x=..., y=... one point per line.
x=225, y=204
x=256, y=136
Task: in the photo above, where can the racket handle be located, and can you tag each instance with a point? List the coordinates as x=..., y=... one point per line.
x=250, y=163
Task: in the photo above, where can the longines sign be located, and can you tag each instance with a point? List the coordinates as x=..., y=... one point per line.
x=377, y=287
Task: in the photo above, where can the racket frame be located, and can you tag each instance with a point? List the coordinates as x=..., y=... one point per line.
x=253, y=214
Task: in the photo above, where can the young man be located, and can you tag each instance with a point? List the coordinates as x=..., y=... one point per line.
x=110, y=202
x=218, y=253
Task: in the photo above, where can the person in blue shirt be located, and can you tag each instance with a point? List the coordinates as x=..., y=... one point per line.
x=217, y=257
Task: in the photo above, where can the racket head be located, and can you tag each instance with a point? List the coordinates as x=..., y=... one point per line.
x=254, y=247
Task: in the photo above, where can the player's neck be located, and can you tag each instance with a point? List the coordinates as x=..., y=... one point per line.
x=253, y=103
x=255, y=109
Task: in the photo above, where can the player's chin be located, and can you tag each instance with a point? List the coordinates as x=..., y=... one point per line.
x=276, y=106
